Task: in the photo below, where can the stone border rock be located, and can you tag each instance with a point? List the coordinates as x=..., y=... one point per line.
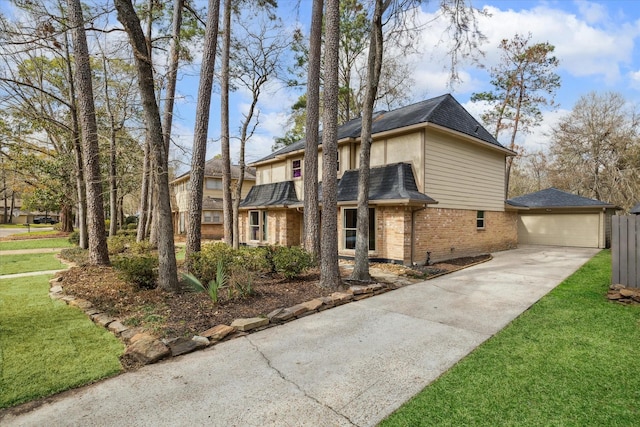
x=624, y=295
x=144, y=348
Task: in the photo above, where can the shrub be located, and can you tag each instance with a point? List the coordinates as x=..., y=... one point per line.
x=107, y=224
x=143, y=247
x=117, y=244
x=253, y=258
x=131, y=226
x=203, y=264
x=290, y=262
x=140, y=270
x=76, y=255
x=131, y=219
x=128, y=233
x=74, y=238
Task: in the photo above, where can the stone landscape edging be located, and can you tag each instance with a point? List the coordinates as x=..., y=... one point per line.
x=145, y=349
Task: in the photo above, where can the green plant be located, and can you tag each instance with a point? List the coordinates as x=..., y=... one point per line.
x=76, y=255
x=290, y=262
x=240, y=283
x=203, y=264
x=74, y=238
x=141, y=270
x=118, y=243
x=213, y=286
x=143, y=247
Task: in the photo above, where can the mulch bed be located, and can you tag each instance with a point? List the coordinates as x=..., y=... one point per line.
x=187, y=313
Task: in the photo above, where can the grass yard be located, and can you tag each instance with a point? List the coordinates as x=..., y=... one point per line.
x=11, y=264
x=47, y=347
x=56, y=242
x=572, y=359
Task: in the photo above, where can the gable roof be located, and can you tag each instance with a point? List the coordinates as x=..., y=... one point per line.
x=554, y=198
x=443, y=110
x=274, y=194
x=213, y=168
x=388, y=182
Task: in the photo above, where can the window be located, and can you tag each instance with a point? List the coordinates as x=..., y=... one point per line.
x=212, y=217
x=213, y=183
x=258, y=225
x=338, y=161
x=297, y=168
x=350, y=225
x=480, y=220
x=181, y=227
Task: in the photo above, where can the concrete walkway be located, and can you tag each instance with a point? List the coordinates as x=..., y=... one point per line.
x=351, y=365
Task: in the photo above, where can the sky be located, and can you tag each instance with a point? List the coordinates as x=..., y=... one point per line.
x=596, y=42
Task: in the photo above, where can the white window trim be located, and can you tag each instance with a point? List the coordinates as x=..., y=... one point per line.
x=345, y=229
x=481, y=216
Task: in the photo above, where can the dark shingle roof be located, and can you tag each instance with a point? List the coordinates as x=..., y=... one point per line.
x=274, y=194
x=443, y=110
x=636, y=209
x=213, y=168
x=388, y=182
x=554, y=198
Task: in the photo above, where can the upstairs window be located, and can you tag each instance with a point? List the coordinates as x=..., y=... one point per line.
x=296, y=168
x=213, y=184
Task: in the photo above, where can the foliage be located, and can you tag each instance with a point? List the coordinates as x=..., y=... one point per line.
x=140, y=248
x=290, y=262
x=118, y=243
x=140, y=270
x=80, y=352
x=551, y=366
x=240, y=283
x=76, y=255
x=213, y=286
x=74, y=238
x=203, y=264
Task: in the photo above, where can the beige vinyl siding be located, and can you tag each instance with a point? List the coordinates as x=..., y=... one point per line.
x=463, y=175
x=273, y=172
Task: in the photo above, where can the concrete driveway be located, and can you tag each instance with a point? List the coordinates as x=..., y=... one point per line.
x=351, y=365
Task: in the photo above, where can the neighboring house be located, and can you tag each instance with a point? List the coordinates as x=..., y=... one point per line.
x=557, y=218
x=635, y=210
x=437, y=188
x=21, y=216
x=212, y=197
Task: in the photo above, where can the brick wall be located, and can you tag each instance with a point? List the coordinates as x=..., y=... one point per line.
x=283, y=227
x=452, y=233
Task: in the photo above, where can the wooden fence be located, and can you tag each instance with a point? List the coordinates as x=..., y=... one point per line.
x=625, y=250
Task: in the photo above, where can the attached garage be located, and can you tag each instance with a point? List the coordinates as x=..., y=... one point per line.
x=557, y=218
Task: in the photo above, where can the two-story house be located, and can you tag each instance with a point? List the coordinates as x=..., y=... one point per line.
x=437, y=188
x=212, y=197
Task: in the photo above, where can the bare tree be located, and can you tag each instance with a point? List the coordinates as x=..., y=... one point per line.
x=329, y=271
x=168, y=274
x=196, y=177
x=98, y=253
x=596, y=149
x=256, y=56
x=310, y=239
x=227, y=210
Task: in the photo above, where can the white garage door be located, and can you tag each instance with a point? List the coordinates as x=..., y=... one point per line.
x=559, y=229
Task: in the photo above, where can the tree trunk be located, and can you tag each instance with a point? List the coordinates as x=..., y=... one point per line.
x=374, y=65
x=144, y=194
x=98, y=253
x=172, y=74
x=311, y=238
x=329, y=271
x=196, y=177
x=167, y=270
x=227, y=210
x=77, y=151
x=113, y=183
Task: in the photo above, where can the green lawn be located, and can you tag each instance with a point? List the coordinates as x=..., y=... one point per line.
x=47, y=347
x=572, y=359
x=11, y=264
x=57, y=242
